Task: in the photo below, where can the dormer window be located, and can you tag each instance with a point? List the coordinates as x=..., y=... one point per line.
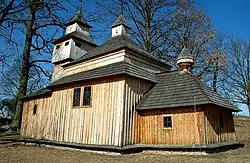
x=58, y=46
x=78, y=44
x=66, y=43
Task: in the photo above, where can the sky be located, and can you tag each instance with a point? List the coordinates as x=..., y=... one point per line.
x=231, y=16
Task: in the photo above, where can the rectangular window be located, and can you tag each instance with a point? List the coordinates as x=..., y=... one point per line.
x=34, y=109
x=221, y=121
x=167, y=121
x=78, y=44
x=76, y=98
x=86, y=96
x=58, y=46
x=66, y=43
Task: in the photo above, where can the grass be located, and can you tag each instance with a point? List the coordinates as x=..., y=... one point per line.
x=31, y=154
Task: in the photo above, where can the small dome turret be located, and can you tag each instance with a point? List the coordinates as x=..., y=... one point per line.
x=120, y=27
x=185, y=60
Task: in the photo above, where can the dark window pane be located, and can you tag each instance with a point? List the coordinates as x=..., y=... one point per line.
x=58, y=46
x=76, y=98
x=66, y=43
x=167, y=121
x=78, y=44
x=87, y=96
x=34, y=109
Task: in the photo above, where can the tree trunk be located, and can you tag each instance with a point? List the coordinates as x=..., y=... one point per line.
x=215, y=76
x=248, y=100
x=16, y=123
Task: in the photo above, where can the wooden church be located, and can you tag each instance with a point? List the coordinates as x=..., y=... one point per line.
x=118, y=95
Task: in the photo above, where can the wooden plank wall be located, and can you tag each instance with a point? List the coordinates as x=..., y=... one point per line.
x=57, y=120
x=95, y=63
x=214, y=133
x=187, y=126
x=134, y=90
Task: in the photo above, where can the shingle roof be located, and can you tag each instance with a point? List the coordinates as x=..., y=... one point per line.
x=120, y=21
x=104, y=71
x=76, y=35
x=173, y=89
x=114, y=44
x=78, y=18
x=181, y=88
x=41, y=92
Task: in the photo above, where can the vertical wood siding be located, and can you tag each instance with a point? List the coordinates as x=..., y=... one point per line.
x=214, y=133
x=95, y=63
x=134, y=91
x=57, y=120
x=187, y=126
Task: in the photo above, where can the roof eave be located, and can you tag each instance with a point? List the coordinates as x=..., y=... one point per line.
x=69, y=36
x=79, y=22
x=233, y=109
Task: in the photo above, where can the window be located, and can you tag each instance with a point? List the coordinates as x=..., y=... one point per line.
x=167, y=121
x=66, y=43
x=58, y=46
x=76, y=98
x=78, y=44
x=34, y=109
x=86, y=96
x=221, y=121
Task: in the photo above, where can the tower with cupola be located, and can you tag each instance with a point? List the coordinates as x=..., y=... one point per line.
x=75, y=43
x=185, y=60
x=120, y=27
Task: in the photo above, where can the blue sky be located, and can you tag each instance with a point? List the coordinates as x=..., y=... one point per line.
x=231, y=16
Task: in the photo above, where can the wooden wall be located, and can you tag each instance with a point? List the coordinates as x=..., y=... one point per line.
x=95, y=63
x=57, y=120
x=187, y=126
x=214, y=133
x=134, y=91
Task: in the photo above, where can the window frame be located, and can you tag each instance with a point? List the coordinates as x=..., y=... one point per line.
x=73, y=103
x=35, y=109
x=90, y=103
x=167, y=115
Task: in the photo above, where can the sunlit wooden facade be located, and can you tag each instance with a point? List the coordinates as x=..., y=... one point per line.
x=132, y=98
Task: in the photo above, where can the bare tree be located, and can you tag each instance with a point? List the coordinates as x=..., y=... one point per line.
x=41, y=16
x=7, y=107
x=9, y=10
x=149, y=20
x=237, y=73
x=215, y=59
x=193, y=30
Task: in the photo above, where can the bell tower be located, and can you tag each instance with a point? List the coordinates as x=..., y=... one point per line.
x=75, y=43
